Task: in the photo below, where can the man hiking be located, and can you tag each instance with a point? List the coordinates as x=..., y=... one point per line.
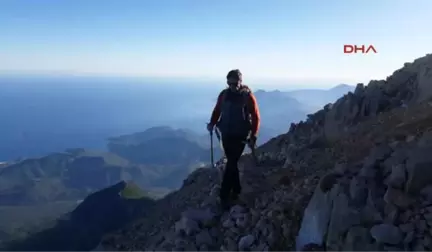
x=236, y=115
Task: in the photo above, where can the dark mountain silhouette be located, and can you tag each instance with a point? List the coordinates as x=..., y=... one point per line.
x=82, y=229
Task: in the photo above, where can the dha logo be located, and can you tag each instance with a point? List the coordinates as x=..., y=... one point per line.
x=364, y=49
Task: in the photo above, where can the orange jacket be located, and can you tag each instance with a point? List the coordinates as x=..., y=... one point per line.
x=252, y=106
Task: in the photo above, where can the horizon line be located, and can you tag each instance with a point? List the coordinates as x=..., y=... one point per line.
x=335, y=81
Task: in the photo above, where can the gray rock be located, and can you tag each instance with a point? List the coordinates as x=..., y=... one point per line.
x=242, y=221
x=214, y=191
x=187, y=226
x=328, y=181
x=203, y=238
x=189, y=247
x=392, y=248
x=340, y=168
x=358, y=191
x=425, y=140
x=398, y=198
x=343, y=217
x=406, y=228
x=386, y=233
x=287, y=163
x=409, y=237
x=378, y=154
x=427, y=241
x=204, y=247
x=427, y=193
x=315, y=220
x=406, y=216
x=391, y=213
x=272, y=238
x=214, y=232
x=172, y=250
x=370, y=212
x=397, y=177
x=237, y=209
x=202, y=216
x=246, y=242
x=230, y=245
x=262, y=247
x=397, y=157
x=181, y=244
x=357, y=239
x=228, y=223
x=428, y=218
x=367, y=171
x=421, y=225
x=418, y=246
x=418, y=167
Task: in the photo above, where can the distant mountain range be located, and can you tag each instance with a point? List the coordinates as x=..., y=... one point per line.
x=316, y=98
x=156, y=159
x=280, y=108
x=163, y=145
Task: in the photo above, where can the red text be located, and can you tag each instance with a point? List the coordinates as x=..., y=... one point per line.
x=364, y=49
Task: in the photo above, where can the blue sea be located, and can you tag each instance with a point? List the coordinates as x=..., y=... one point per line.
x=39, y=115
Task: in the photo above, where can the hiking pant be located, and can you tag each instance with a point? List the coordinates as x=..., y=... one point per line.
x=233, y=147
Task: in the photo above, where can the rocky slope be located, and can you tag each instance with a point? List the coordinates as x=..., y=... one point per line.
x=353, y=176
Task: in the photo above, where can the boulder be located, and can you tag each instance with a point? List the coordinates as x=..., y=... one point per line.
x=386, y=233
x=419, y=169
x=358, y=239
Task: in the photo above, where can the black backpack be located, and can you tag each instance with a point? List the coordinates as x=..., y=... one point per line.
x=235, y=117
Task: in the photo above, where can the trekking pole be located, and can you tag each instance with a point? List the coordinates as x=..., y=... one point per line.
x=219, y=139
x=254, y=154
x=211, y=149
x=221, y=167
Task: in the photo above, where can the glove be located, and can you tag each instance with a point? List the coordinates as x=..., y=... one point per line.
x=252, y=141
x=210, y=127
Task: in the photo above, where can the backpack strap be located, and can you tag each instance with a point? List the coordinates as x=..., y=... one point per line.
x=224, y=94
x=246, y=91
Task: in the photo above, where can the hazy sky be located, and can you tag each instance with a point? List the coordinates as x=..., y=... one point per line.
x=287, y=39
